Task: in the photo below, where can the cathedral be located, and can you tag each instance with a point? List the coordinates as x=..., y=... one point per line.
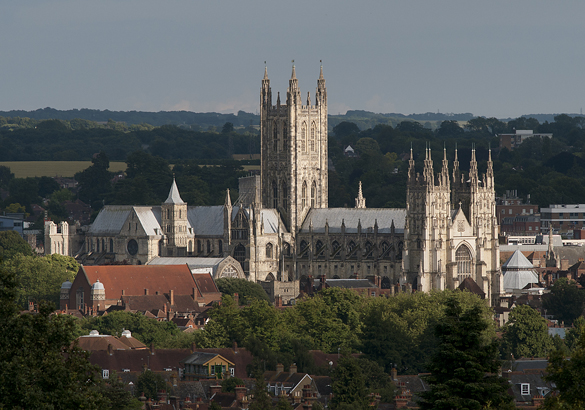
x=281, y=231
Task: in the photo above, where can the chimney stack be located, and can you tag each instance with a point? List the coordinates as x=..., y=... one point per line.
x=293, y=368
x=240, y=393
x=172, y=297
x=279, y=368
x=237, y=299
x=146, y=292
x=214, y=389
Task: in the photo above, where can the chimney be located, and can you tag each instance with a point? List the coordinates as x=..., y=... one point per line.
x=237, y=299
x=123, y=292
x=278, y=301
x=235, y=346
x=31, y=306
x=240, y=393
x=394, y=373
x=214, y=389
x=322, y=278
x=172, y=297
x=110, y=352
x=293, y=368
x=146, y=292
x=162, y=396
x=279, y=368
x=311, y=283
x=194, y=294
x=152, y=348
x=193, y=347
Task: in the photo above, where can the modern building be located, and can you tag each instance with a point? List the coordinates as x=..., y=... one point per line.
x=563, y=218
x=512, y=141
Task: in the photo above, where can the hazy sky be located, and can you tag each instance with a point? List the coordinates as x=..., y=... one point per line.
x=491, y=58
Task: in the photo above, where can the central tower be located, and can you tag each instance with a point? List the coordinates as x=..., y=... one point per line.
x=294, y=151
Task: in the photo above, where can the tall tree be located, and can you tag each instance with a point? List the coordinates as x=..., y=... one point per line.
x=565, y=301
x=568, y=375
x=12, y=244
x=464, y=369
x=94, y=182
x=40, y=366
x=526, y=334
x=348, y=385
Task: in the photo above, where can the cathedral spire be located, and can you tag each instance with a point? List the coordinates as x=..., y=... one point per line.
x=490, y=170
x=294, y=73
x=360, y=201
x=456, y=178
x=174, y=197
x=445, y=170
x=411, y=173
x=265, y=71
x=228, y=200
x=428, y=169
x=321, y=74
x=473, y=167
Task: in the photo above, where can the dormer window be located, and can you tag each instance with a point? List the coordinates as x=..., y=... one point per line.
x=525, y=389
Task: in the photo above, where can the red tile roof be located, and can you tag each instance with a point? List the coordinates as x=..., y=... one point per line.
x=134, y=279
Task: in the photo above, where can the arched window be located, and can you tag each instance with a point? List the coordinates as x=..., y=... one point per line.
x=334, y=248
x=368, y=251
x=208, y=247
x=304, y=137
x=286, y=249
x=168, y=214
x=111, y=245
x=350, y=247
x=275, y=137
x=463, y=259
x=274, y=195
x=269, y=277
x=320, y=249
x=190, y=247
x=80, y=299
x=220, y=247
x=313, y=194
x=269, y=251
x=303, y=248
x=240, y=253
x=284, y=136
x=304, y=196
x=284, y=194
x=103, y=245
x=199, y=246
x=312, y=138
x=97, y=245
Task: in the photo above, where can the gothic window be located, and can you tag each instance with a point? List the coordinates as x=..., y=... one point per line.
x=350, y=247
x=270, y=277
x=304, y=196
x=320, y=249
x=103, y=245
x=275, y=137
x=284, y=136
x=284, y=195
x=312, y=140
x=220, y=247
x=132, y=247
x=304, y=137
x=240, y=253
x=418, y=244
x=399, y=253
x=269, y=251
x=198, y=246
x=369, y=247
x=279, y=276
x=463, y=259
x=111, y=245
x=168, y=214
x=335, y=247
x=208, y=247
x=313, y=194
x=190, y=247
x=303, y=248
x=79, y=298
x=274, y=195
x=286, y=249
x=97, y=244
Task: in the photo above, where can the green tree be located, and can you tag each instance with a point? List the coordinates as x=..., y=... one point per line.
x=94, y=182
x=246, y=290
x=12, y=244
x=40, y=366
x=377, y=381
x=214, y=406
x=565, y=301
x=227, y=128
x=348, y=385
x=118, y=397
x=41, y=277
x=5, y=176
x=574, y=334
x=568, y=375
x=526, y=334
x=283, y=404
x=344, y=129
x=262, y=400
x=229, y=385
x=150, y=383
x=464, y=368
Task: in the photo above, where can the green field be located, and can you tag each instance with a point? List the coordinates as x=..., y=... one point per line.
x=24, y=169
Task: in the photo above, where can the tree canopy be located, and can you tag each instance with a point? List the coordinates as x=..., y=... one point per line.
x=246, y=290
x=11, y=244
x=565, y=301
x=464, y=368
x=526, y=334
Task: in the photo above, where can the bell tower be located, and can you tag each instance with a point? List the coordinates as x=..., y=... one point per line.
x=293, y=135
x=174, y=223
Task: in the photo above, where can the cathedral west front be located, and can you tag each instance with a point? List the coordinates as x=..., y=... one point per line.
x=281, y=230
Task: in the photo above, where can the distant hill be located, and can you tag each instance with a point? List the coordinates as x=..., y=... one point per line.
x=203, y=121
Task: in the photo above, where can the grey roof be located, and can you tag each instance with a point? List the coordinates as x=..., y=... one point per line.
x=199, y=358
x=530, y=364
x=174, y=196
x=518, y=279
x=270, y=219
x=110, y=220
x=206, y=220
x=190, y=261
x=517, y=261
x=150, y=219
x=349, y=283
x=351, y=216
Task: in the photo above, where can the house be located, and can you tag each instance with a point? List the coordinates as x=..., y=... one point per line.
x=204, y=365
x=94, y=342
x=168, y=288
x=289, y=383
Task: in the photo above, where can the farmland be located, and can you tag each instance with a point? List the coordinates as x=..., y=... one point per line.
x=24, y=169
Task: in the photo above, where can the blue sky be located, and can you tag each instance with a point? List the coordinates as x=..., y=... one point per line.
x=496, y=58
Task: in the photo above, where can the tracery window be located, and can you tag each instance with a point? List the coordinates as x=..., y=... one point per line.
x=463, y=259
x=240, y=253
x=304, y=137
x=284, y=195
x=313, y=194
x=312, y=138
x=269, y=251
x=275, y=137
x=274, y=195
x=304, y=196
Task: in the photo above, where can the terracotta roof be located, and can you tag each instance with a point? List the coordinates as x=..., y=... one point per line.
x=134, y=359
x=134, y=279
x=132, y=342
x=205, y=283
x=144, y=302
x=100, y=342
x=224, y=399
x=186, y=304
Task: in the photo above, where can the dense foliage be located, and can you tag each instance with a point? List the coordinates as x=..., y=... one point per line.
x=464, y=369
x=246, y=290
x=567, y=374
x=526, y=334
x=565, y=301
x=12, y=244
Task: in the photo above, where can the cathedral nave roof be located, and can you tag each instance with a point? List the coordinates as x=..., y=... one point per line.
x=351, y=216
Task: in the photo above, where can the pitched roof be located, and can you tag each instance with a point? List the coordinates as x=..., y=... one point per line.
x=203, y=358
x=100, y=342
x=349, y=283
x=205, y=283
x=517, y=261
x=206, y=220
x=134, y=359
x=470, y=285
x=134, y=279
x=110, y=219
x=367, y=217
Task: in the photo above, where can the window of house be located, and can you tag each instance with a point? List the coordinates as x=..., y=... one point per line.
x=525, y=389
x=232, y=372
x=105, y=374
x=510, y=211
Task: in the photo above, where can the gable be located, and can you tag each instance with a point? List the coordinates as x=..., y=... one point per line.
x=461, y=225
